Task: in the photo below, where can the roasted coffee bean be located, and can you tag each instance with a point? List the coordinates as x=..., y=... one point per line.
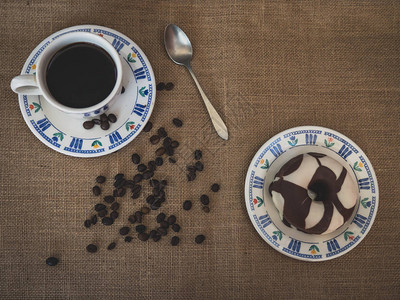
x=169, y=86
x=139, y=216
x=130, y=184
x=51, y=261
x=88, y=124
x=169, y=150
x=112, y=118
x=164, y=224
x=148, y=126
x=172, y=160
x=109, y=199
x=99, y=207
x=191, y=176
x=167, y=141
x=93, y=220
x=160, y=86
x=154, y=139
x=119, y=176
x=145, y=210
x=150, y=199
x=205, y=200
x=91, y=248
x=111, y=246
x=115, y=193
x=128, y=239
x=174, y=144
x=199, y=166
x=132, y=219
x=148, y=174
x=136, y=189
x=199, y=239
x=114, y=215
x=138, y=178
x=107, y=221
x=187, y=205
x=141, y=167
x=198, y=154
x=87, y=223
x=140, y=228
x=135, y=158
x=163, y=183
x=119, y=183
x=206, y=209
x=162, y=231
x=96, y=190
x=100, y=179
x=161, y=199
x=96, y=121
x=104, y=125
x=160, y=151
x=143, y=236
x=157, y=237
x=156, y=192
x=159, y=161
x=103, y=117
x=162, y=132
x=135, y=195
x=151, y=165
x=156, y=205
x=171, y=219
x=154, y=182
x=102, y=213
x=177, y=122
x=174, y=241
x=152, y=233
x=176, y=227
x=160, y=217
x=191, y=169
x=215, y=187
x=121, y=192
x=114, y=206
x=124, y=230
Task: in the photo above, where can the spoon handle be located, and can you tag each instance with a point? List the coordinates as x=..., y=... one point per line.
x=219, y=125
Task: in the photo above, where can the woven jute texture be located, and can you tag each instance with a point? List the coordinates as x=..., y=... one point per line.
x=266, y=66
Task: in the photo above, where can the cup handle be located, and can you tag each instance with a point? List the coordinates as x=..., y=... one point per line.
x=25, y=84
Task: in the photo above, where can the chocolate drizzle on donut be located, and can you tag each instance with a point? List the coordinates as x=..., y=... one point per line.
x=297, y=202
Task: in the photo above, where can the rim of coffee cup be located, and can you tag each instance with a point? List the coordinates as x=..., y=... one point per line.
x=68, y=39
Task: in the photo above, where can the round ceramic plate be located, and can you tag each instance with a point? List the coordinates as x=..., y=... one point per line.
x=133, y=107
x=264, y=216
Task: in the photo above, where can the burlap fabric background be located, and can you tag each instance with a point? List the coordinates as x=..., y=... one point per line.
x=266, y=66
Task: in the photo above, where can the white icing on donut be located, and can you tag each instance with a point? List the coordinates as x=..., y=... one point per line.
x=303, y=175
x=315, y=215
x=336, y=222
x=348, y=194
x=278, y=201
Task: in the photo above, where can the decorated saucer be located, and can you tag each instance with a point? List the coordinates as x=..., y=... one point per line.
x=264, y=216
x=133, y=107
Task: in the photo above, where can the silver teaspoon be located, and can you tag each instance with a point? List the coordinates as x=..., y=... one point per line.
x=180, y=51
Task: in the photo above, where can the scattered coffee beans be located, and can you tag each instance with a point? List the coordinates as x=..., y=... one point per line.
x=198, y=154
x=111, y=246
x=187, y=205
x=103, y=117
x=91, y=248
x=112, y=118
x=169, y=86
x=104, y=125
x=145, y=210
x=199, y=166
x=159, y=161
x=52, y=261
x=176, y=227
x=141, y=167
x=128, y=239
x=148, y=126
x=100, y=179
x=162, y=231
x=138, y=216
x=175, y=241
x=206, y=209
x=87, y=223
x=96, y=190
x=107, y=221
x=132, y=219
x=124, y=230
x=174, y=144
x=162, y=132
x=143, y=236
x=205, y=200
x=160, y=151
x=160, y=217
x=172, y=160
x=157, y=237
x=96, y=121
x=171, y=219
x=114, y=206
x=164, y=224
x=160, y=86
x=215, y=187
x=102, y=213
x=138, y=178
x=93, y=220
x=140, y=228
x=152, y=233
x=88, y=124
x=177, y=122
x=191, y=176
x=154, y=139
x=135, y=158
x=199, y=239
x=99, y=207
x=114, y=215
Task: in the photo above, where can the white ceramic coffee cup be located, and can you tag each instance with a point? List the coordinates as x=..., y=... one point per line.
x=35, y=84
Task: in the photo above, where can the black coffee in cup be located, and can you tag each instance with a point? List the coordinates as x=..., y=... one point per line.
x=81, y=75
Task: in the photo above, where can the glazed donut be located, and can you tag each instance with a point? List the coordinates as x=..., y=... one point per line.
x=314, y=193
